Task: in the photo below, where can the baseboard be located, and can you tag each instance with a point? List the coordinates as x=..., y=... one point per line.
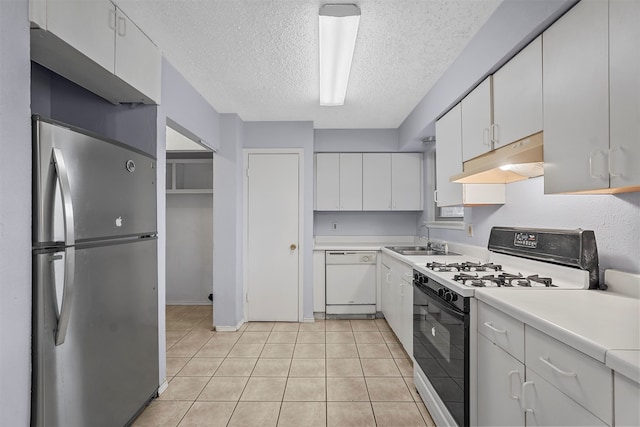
x=308, y=320
x=230, y=328
x=163, y=387
x=187, y=303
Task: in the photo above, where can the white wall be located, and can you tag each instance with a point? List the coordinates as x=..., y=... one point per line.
x=15, y=215
x=615, y=219
x=292, y=135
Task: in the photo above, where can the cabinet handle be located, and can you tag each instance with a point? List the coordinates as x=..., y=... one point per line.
x=486, y=137
x=611, y=151
x=495, y=134
x=435, y=196
x=494, y=329
x=555, y=368
x=511, y=374
x=112, y=19
x=401, y=289
x=523, y=401
x=593, y=175
x=387, y=278
x=122, y=26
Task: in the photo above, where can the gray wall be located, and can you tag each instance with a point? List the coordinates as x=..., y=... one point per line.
x=227, y=239
x=182, y=104
x=510, y=28
x=615, y=220
x=292, y=135
x=189, y=248
x=355, y=140
x=15, y=215
x=55, y=97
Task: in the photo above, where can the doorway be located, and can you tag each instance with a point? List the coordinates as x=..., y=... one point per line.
x=273, y=218
x=189, y=227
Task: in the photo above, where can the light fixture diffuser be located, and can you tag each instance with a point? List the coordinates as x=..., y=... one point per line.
x=338, y=31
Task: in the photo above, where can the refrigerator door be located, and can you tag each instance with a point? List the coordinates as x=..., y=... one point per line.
x=110, y=189
x=107, y=367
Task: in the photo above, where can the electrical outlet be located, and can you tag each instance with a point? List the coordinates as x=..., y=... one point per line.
x=334, y=226
x=470, y=230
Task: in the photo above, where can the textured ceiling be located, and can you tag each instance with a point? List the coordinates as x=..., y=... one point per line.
x=259, y=58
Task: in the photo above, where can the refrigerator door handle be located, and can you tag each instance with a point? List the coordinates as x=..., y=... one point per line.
x=69, y=252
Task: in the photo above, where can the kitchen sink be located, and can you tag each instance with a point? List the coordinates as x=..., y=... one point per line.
x=418, y=250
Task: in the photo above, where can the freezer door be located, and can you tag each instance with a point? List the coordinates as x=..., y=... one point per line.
x=110, y=189
x=107, y=367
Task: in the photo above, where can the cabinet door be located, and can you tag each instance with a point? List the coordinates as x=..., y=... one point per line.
x=500, y=378
x=350, y=181
x=627, y=396
x=137, y=59
x=624, y=92
x=547, y=406
x=406, y=312
x=376, y=181
x=476, y=121
x=327, y=182
x=449, y=157
x=88, y=26
x=576, y=100
x=406, y=181
x=385, y=292
x=517, y=96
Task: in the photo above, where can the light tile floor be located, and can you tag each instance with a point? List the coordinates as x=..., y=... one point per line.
x=327, y=373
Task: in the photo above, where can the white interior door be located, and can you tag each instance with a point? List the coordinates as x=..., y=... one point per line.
x=273, y=237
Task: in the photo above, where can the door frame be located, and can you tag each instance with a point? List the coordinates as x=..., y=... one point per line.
x=245, y=219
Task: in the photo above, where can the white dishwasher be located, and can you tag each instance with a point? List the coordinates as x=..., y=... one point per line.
x=350, y=282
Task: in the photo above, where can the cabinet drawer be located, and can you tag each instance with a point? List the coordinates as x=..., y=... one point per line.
x=502, y=329
x=547, y=406
x=584, y=379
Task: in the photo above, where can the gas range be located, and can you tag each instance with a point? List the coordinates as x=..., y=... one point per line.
x=522, y=259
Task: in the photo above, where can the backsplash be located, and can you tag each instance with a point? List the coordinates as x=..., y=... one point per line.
x=365, y=223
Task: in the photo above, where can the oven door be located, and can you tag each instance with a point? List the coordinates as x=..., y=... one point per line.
x=441, y=349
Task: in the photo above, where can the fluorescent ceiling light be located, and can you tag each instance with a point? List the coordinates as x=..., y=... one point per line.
x=338, y=31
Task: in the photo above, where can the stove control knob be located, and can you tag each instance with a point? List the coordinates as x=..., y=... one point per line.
x=448, y=296
x=454, y=296
x=442, y=293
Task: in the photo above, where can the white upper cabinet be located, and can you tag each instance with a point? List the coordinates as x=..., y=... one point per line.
x=449, y=157
x=376, y=181
x=350, y=181
x=327, y=182
x=476, y=121
x=368, y=181
x=449, y=162
x=576, y=100
x=517, y=96
x=94, y=44
x=136, y=56
x=406, y=181
x=624, y=93
x=88, y=26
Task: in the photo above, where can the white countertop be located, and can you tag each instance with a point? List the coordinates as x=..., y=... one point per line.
x=601, y=324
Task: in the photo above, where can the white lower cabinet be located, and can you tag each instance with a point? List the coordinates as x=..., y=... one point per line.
x=627, y=398
x=551, y=384
x=500, y=375
x=545, y=405
x=397, y=299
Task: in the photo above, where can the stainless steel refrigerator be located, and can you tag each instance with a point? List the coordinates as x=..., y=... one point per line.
x=95, y=300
